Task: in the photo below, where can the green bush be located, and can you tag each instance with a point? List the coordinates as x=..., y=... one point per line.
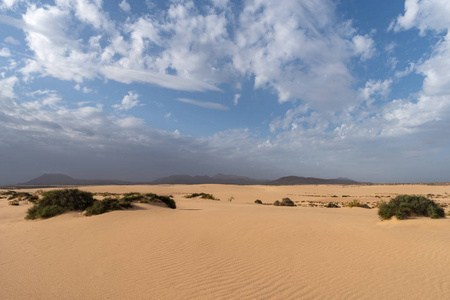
x=404, y=206
x=56, y=202
x=354, y=203
x=201, y=195
x=149, y=197
x=105, y=205
x=168, y=201
x=14, y=202
x=131, y=197
x=19, y=196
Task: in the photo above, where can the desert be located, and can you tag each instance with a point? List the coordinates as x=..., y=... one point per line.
x=230, y=248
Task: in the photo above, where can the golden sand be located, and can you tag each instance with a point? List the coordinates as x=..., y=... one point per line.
x=209, y=249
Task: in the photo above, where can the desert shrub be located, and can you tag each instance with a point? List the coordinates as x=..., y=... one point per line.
x=257, y=201
x=331, y=205
x=148, y=198
x=12, y=195
x=131, y=197
x=14, y=202
x=404, y=206
x=105, y=205
x=201, y=195
x=168, y=201
x=56, y=202
x=277, y=203
x=354, y=203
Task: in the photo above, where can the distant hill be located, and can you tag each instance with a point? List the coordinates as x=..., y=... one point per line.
x=239, y=180
x=61, y=179
x=295, y=180
x=217, y=179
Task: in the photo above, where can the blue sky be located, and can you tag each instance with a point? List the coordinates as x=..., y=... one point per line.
x=136, y=90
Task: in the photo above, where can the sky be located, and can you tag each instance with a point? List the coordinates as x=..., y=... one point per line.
x=137, y=90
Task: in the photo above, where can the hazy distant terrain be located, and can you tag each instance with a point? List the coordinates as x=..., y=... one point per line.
x=61, y=179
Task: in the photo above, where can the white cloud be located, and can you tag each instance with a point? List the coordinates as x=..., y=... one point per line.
x=61, y=53
x=7, y=87
x=11, y=40
x=198, y=46
x=379, y=87
x=4, y=52
x=8, y=4
x=297, y=48
x=125, y=6
x=128, y=102
x=87, y=90
x=204, y=104
x=168, y=81
x=364, y=46
x=425, y=15
x=236, y=99
x=431, y=104
x=130, y=122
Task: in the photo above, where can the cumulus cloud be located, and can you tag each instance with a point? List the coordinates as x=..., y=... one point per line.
x=431, y=104
x=125, y=6
x=4, y=52
x=9, y=4
x=424, y=15
x=376, y=87
x=128, y=102
x=236, y=99
x=7, y=87
x=11, y=40
x=364, y=46
x=290, y=46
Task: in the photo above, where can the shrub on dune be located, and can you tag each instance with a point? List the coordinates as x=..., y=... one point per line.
x=57, y=202
x=105, y=205
x=201, y=195
x=404, y=206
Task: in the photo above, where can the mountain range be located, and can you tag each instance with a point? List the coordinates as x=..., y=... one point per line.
x=64, y=180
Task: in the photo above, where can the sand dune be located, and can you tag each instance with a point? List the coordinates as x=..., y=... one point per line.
x=227, y=250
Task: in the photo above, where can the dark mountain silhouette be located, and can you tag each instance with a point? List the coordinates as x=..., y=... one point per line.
x=61, y=179
x=217, y=179
x=239, y=180
x=295, y=180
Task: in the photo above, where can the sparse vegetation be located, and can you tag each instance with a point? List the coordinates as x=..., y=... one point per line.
x=20, y=196
x=257, y=201
x=105, y=205
x=201, y=195
x=150, y=197
x=56, y=202
x=357, y=203
x=14, y=202
x=331, y=205
x=284, y=202
x=404, y=206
